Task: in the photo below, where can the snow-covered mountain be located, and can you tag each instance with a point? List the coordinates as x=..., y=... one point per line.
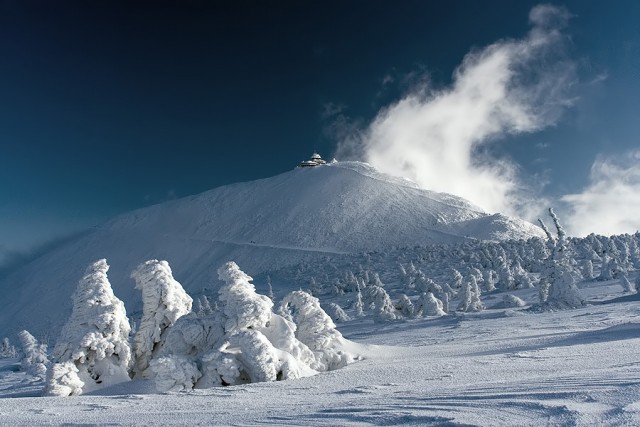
x=300, y=215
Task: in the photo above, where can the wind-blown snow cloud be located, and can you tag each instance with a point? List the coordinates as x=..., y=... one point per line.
x=440, y=138
x=610, y=204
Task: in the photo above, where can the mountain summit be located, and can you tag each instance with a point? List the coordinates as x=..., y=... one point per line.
x=303, y=214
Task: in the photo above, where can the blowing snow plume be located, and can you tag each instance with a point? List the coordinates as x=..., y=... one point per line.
x=438, y=138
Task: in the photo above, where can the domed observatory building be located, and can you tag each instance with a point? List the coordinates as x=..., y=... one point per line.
x=315, y=160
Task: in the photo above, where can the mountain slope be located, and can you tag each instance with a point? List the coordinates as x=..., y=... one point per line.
x=262, y=225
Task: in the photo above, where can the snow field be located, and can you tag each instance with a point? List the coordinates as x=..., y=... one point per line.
x=497, y=367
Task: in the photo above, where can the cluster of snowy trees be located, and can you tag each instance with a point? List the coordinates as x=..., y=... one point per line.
x=241, y=340
x=432, y=280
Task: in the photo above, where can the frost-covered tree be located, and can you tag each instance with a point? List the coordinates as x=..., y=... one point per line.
x=337, y=313
x=7, y=350
x=429, y=305
x=609, y=269
x=96, y=336
x=270, y=289
x=204, y=306
x=505, y=275
x=316, y=330
x=358, y=305
x=557, y=288
x=383, y=306
x=626, y=284
x=512, y=301
x=244, y=341
x=562, y=292
x=405, y=306
x=470, y=297
x=546, y=230
x=242, y=306
x=175, y=373
x=63, y=380
x=456, y=279
x=489, y=277
x=164, y=301
x=587, y=269
x=34, y=356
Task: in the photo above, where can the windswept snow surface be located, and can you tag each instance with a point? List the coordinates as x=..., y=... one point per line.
x=498, y=367
x=301, y=215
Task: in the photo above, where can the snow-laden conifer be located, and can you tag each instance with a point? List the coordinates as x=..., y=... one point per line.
x=557, y=287
x=174, y=373
x=34, y=355
x=358, y=305
x=204, y=306
x=244, y=341
x=96, y=336
x=429, y=305
x=7, y=349
x=63, y=380
x=317, y=331
x=405, y=306
x=512, y=301
x=625, y=283
x=337, y=313
x=270, y=289
x=587, y=269
x=470, y=297
x=164, y=301
x=383, y=306
x=242, y=306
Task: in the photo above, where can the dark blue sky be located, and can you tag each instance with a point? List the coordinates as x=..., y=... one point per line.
x=108, y=106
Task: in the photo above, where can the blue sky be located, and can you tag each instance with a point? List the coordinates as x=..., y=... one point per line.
x=111, y=106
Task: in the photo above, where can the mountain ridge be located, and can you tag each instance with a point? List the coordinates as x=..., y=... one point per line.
x=293, y=217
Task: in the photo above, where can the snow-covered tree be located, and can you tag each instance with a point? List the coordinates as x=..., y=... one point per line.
x=557, y=288
x=489, y=280
x=405, y=306
x=244, y=341
x=242, y=306
x=270, y=289
x=546, y=230
x=587, y=269
x=505, y=276
x=337, y=313
x=563, y=292
x=204, y=306
x=358, y=305
x=96, y=336
x=456, y=279
x=164, y=301
x=383, y=306
x=429, y=305
x=512, y=301
x=175, y=373
x=609, y=269
x=470, y=297
x=7, y=350
x=626, y=284
x=34, y=356
x=316, y=330
x=63, y=380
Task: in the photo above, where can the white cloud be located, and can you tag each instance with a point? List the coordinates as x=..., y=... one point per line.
x=610, y=204
x=439, y=138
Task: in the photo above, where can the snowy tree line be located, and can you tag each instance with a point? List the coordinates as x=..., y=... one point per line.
x=424, y=281
x=240, y=339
